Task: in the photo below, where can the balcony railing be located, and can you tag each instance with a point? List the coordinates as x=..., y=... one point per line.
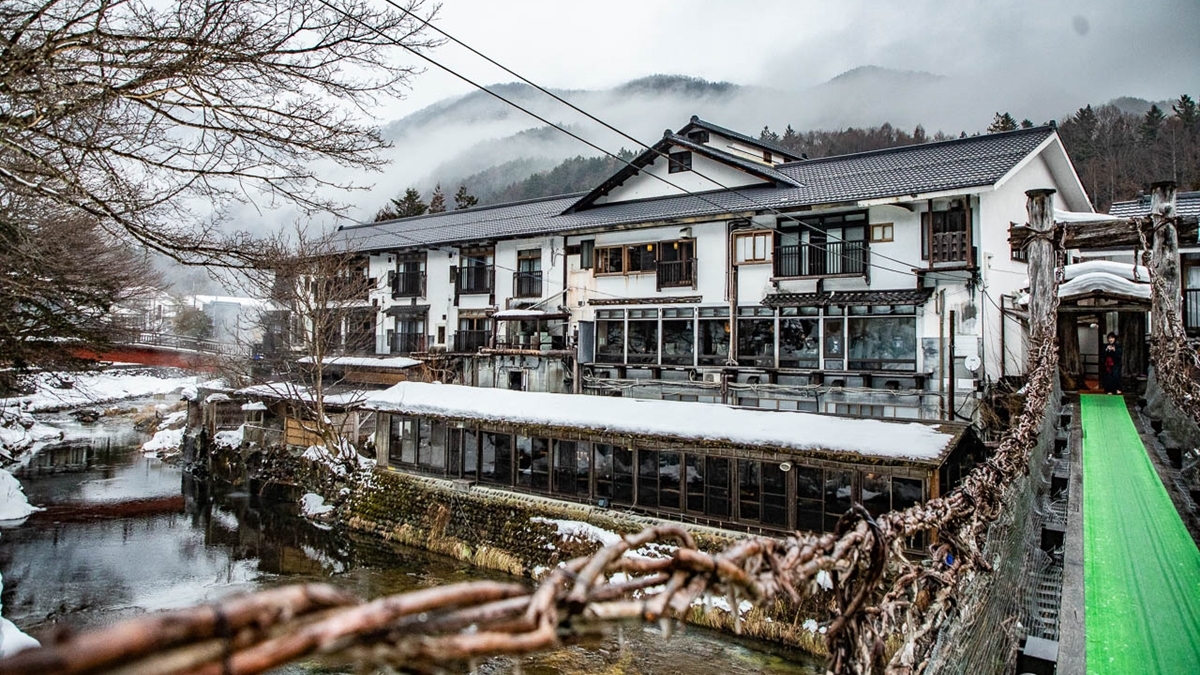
x=948, y=246
x=408, y=285
x=407, y=343
x=471, y=340
x=676, y=273
x=527, y=284
x=476, y=279
x=1191, y=310
x=827, y=259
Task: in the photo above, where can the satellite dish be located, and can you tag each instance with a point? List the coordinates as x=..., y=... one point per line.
x=785, y=467
x=971, y=362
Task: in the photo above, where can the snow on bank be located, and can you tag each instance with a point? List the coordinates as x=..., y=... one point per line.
x=21, y=433
x=56, y=391
x=312, y=505
x=578, y=530
x=338, y=459
x=14, y=505
x=165, y=440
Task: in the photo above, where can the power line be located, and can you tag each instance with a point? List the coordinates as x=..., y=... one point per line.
x=594, y=146
x=610, y=127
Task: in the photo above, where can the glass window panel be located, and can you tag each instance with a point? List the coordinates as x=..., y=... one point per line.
x=835, y=339
x=716, y=487
x=669, y=467
x=883, y=343
x=604, y=470
x=679, y=342
x=907, y=492
x=799, y=343
x=640, y=257
x=496, y=459
x=876, y=493
x=810, y=496
x=756, y=342
x=524, y=448
x=695, y=483
x=838, y=496
x=749, y=489
x=647, y=494
x=610, y=341
x=453, y=451
x=622, y=476
x=424, y=443
x=774, y=491
x=470, y=453
x=583, y=468
x=610, y=260
x=541, y=464
x=714, y=342
x=643, y=341
x=565, y=465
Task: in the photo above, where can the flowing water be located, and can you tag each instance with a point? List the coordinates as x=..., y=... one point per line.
x=123, y=534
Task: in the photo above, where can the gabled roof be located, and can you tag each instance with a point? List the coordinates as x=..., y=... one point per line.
x=662, y=148
x=697, y=123
x=911, y=170
x=1186, y=204
x=916, y=169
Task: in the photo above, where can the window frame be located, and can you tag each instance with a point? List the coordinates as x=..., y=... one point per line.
x=882, y=238
x=767, y=237
x=679, y=162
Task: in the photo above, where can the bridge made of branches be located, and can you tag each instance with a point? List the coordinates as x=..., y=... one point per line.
x=889, y=608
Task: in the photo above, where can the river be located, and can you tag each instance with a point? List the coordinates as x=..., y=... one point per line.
x=123, y=534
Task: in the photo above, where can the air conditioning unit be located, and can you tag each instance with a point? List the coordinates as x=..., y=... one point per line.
x=711, y=377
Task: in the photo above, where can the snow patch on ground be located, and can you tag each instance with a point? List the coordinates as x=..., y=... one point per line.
x=581, y=531
x=312, y=505
x=165, y=440
x=339, y=459
x=230, y=439
x=14, y=505
x=57, y=391
x=711, y=602
x=21, y=433
x=12, y=639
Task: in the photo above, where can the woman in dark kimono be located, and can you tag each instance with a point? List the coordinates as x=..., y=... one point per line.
x=1110, y=365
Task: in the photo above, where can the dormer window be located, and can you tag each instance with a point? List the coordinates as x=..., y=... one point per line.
x=698, y=136
x=679, y=162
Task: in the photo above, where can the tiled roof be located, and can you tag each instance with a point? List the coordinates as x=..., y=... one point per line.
x=757, y=168
x=906, y=296
x=1186, y=204
x=736, y=135
x=915, y=169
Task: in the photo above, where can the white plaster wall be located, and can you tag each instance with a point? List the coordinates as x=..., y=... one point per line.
x=645, y=185
x=553, y=261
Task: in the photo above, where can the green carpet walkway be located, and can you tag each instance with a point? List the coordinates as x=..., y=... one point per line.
x=1141, y=567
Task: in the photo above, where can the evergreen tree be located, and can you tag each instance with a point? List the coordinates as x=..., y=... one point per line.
x=410, y=205
x=1026, y=123
x=919, y=135
x=437, y=201
x=768, y=135
x=463, y=199
x=1185, y=111
x=1002, y=122
x=1151, y=124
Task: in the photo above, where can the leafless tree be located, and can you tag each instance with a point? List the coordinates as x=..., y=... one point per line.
x=318, y=293
x=61, y=277
x=135, y=112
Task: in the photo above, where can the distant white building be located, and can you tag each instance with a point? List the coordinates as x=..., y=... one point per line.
x=236, y=320
x=718, y=267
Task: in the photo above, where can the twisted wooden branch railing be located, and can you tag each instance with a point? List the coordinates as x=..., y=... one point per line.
x=878, y=591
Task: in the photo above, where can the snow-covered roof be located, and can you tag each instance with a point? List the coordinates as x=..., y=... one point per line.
x=389, y=362
x=673, y=419
x=1123, y=270
x=1061, y=216
x=254, y=406
x=1104, y=283
x=519, y=314
x=298, y=392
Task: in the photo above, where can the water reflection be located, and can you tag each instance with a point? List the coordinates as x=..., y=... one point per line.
x=123, y=534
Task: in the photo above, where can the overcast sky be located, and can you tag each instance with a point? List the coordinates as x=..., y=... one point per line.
x=1092, y=50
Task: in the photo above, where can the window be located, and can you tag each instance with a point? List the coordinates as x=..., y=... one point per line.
x=610, y=336
x=809, y=498
x=643, y=336
x=475, y=271
x=884, y=339
x=678, y=336
x=767, y=156
x=762, y=492
x=402, y=440
x=882, y=232
x=610, y=260
x=799, y=337
x=694, y=467
x=822, y=245
x=716, y=486
x=587, y=254
x=945, y=235
x=527, y=280
x=676, y=265
x=876, y=493
x=409, y=278
x=533, y=463
x=752, y=247
x=714, y=336
x=470, y=453
x=658, y=479
x=756, y=336
x=679, y=161
x=473, y=334
x=639, y=258
x=838, y=497
x=614, y=473
x=572, y=468
x=495, y=464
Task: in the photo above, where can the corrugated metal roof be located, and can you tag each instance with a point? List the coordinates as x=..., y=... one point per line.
x=1186, y=204
x=916, y=169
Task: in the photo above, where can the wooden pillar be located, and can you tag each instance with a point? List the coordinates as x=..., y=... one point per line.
x=1131, y=326
x=1167, y=293
x=1070, y=361
x=1041, y=259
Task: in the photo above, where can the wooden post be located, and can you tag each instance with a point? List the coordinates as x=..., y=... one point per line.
x=1040, y=257
x=1167, y=293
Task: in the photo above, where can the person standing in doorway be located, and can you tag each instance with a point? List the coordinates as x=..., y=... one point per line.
x=1110, y=365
